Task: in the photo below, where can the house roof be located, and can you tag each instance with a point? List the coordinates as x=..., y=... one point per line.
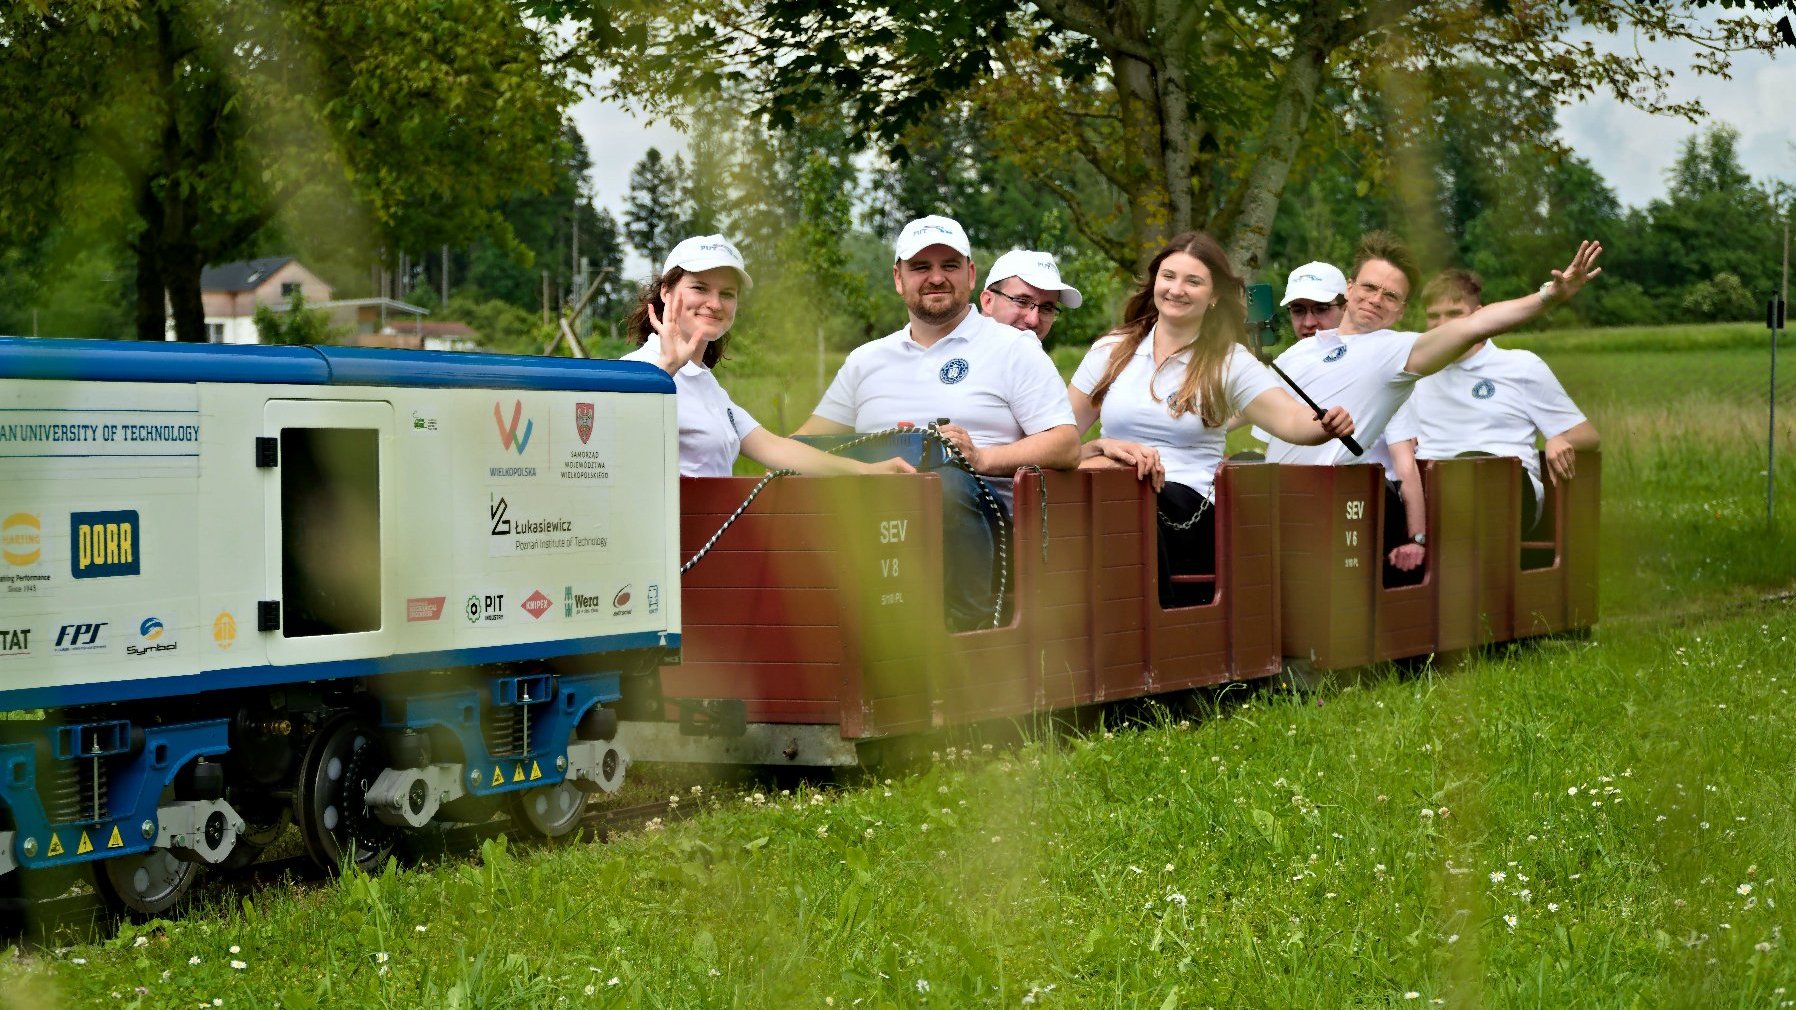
x=243, y=275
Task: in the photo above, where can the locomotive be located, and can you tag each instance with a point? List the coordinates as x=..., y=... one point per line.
x=364, y=591
x=359, y=589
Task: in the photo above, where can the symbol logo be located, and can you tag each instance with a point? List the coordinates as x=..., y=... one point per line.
x=424, y=608
x=583, y=421
x=80, y=637
x=954, y=371
x=21, y=539
x=224, y=630
x=1336, y=354
x=508, y=436
x=1484, y=390
x=536, y=605
x=151, y=631
x=15, y=641
x=103, y=544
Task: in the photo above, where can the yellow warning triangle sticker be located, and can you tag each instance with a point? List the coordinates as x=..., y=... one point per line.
x=115, y=842
x=55, y=848
x=517, y=774
x=498, y=776
x=83, y=847
x=536, y=771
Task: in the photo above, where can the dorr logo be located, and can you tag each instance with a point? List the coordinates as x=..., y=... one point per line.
x=21, y=539
x=583, y=414
x=508, y=435
x=104, y=544
x=536, y=605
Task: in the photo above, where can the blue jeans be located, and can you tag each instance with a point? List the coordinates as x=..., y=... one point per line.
x=969, y=546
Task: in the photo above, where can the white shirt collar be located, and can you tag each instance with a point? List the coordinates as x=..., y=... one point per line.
x=1145, y=349
x=969, y=325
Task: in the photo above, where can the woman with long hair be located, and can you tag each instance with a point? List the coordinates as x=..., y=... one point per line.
x=1165, y=384
x=682, y=323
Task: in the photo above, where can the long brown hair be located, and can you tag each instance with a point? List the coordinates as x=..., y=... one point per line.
x=638, y=323
x=1225, y=324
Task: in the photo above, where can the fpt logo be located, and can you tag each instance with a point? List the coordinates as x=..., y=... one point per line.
x=1336, y=354
x=509, y=438
x=1484, y=390
x=954, y=371
x=583, y=415
x=84, y=637
x=21, y=539
x=103, y=545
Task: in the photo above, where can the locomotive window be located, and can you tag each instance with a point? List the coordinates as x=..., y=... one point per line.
x=330, y=531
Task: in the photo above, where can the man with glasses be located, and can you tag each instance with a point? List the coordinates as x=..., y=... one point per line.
x=1370, y=368
x=1315, y=295
x=1024, y=290
x=1001, y=392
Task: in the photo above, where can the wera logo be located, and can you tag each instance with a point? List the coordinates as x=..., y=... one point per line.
x=104, y=544
x=508, y=435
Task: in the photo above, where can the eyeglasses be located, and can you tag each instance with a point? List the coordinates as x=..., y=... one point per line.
x=1385, y=295
x=1298, y=311
x=1048, y=310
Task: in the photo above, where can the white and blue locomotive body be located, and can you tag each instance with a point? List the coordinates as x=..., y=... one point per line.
x=227, y=571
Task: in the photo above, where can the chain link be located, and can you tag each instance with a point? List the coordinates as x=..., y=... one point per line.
x=731, y=521
x=1187, y=524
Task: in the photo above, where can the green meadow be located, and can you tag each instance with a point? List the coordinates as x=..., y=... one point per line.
x=1602, y=822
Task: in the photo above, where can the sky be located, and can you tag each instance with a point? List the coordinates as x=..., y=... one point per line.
x=1631, y=149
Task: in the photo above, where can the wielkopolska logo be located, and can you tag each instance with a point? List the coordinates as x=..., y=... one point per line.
x=509, y=438
x=21, y=539
x=104, y=544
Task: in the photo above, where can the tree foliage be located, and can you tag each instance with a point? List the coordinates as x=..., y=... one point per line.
x=184, y=129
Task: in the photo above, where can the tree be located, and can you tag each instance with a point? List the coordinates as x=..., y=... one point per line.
x=1185, y=114
x=653, y=208
x=188, y=128
x=296, y=324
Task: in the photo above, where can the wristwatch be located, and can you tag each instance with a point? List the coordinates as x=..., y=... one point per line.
x=1419, y=539
x=1549, y=292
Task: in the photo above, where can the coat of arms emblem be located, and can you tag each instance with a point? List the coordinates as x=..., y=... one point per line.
x=583, y=421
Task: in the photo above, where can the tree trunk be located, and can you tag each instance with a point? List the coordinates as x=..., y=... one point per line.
x=181, y=268
x=1144, y=171
x=1248, y=228
x=152, y=324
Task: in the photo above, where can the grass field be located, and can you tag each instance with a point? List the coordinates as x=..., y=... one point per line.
x=1601, y=823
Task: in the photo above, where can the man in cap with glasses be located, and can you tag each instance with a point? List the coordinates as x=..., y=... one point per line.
x=1370, y=369
x=1004, y=398
x=1024, y=290
x=1315, y=295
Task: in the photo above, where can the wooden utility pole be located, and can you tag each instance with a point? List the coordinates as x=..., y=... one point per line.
x=445, y=274
x=564, y=329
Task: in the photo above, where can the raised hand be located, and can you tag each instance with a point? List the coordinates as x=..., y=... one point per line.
x=679, y=343
x=1567, y=282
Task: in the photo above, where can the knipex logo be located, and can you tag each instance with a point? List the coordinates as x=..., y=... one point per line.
x=508, y=435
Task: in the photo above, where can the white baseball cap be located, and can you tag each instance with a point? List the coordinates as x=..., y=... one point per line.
x=932, y=230
x=1037, y=269
x=1317, y=282
x=707, y=252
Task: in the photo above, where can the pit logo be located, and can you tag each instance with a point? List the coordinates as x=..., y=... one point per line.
x=104, y=545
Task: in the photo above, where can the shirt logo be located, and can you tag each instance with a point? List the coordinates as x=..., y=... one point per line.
x=954, y=371
x=1336, y=354
x=1484, y=390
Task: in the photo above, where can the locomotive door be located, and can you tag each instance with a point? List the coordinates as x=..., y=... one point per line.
x=329, y=529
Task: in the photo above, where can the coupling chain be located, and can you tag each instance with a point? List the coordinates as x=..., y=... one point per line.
x=772, y=476
x=1167, y=522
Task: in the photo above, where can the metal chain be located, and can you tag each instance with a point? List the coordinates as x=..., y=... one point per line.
x=1187, y=524
x=731, y=521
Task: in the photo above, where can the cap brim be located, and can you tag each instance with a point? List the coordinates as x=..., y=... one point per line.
x=1320, y=295
x=1069, y=295
x=698, y=266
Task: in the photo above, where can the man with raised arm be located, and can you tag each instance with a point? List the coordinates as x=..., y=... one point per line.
x=1005, y=402
x=1491, y=401
x=1024, y=290
x=1370, y=368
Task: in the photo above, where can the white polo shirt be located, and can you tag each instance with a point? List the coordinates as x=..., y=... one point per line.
x=1136, y=409
x=1495, y=401
x=993, y=380
x=711, y=425
x=1364, y=372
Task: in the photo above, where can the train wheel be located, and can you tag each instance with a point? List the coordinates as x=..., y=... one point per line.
x=330, y=805
x=548, y=811
x=262, y=827
x=144, y=885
